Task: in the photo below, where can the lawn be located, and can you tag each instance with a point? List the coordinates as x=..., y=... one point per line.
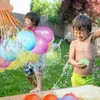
x=13, y=82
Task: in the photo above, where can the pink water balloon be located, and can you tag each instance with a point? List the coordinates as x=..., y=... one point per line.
x=41, y=45
x=45, y=32
x=4, y=63
x=1, y=40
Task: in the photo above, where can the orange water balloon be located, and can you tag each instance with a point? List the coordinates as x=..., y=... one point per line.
x=32, y=97
x=50, y=97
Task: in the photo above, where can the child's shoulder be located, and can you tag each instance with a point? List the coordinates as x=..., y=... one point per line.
x=74, y=42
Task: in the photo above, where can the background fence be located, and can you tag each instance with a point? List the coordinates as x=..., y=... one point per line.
x=63, y=31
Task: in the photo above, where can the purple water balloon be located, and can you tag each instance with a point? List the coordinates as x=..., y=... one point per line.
x=41, y=45
x=45, y=32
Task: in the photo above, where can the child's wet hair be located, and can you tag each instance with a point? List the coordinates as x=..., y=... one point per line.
x=82, y=21
x=34, y=17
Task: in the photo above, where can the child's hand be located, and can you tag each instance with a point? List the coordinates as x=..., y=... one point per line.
x=82, y=65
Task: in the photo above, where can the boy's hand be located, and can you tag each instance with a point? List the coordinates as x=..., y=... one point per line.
x=82, y=65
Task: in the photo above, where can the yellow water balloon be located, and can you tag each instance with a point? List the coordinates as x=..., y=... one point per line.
x=22, y=59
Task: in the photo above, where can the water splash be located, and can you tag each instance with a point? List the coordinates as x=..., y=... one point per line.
x=52, y=63
x=52, y=57
x=62, y=74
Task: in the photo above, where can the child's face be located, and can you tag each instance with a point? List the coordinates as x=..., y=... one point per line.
x=81, y=35
x=28, y=23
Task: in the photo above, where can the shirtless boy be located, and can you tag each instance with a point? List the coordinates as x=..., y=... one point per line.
x=83, y=48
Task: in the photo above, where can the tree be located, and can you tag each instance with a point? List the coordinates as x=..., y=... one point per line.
x=46, y=8
x=42, y=7
x=71, y=8
x=55, y=15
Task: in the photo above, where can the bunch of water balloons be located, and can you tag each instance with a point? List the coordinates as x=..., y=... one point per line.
x=51, y=96
x=35, y=42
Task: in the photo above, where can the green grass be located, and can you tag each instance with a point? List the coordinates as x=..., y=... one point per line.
x=14, y=82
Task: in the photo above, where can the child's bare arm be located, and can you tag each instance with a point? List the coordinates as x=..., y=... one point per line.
x=96, y=34
x=72, y=54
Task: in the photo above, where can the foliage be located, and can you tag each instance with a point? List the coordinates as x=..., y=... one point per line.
x=46, y=8
x=41, y=7
x=71, y=8
x=98, y=21
x=55, y=15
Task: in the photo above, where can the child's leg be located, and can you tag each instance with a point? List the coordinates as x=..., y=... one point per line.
x=39, y=81
x=32, y=80
x=28, y=70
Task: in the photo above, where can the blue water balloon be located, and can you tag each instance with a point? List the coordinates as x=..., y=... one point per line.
x=67, y=98
x=26, y=40
x=8, y=50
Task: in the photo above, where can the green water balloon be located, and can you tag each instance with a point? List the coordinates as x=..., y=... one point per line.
x=85, y=61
